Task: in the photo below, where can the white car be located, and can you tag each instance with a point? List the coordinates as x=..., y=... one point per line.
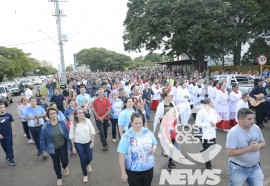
x=37, y=81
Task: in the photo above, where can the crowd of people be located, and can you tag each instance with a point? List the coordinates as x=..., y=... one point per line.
x=124, y=100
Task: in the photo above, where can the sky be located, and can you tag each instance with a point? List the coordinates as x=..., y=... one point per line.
x=30, y=26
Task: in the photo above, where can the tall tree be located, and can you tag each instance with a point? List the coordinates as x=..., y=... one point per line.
x=102, y=59
x=177, y=26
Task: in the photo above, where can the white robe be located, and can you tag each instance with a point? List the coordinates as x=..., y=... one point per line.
x=213, y=95
x=157, y=93
x=174, y=93
x=184, y=105
x=222, y=106
x=203, y=119
x=233, y=99
x=198, y=91
x=240, y=104
x=191, y=89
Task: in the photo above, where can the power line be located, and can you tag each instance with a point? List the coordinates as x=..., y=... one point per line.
x=26, y=42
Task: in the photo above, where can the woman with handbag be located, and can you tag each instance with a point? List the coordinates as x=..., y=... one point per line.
x=206, y=121
x=82, y=135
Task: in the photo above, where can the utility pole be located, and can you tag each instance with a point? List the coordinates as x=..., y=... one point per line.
x=58, y=14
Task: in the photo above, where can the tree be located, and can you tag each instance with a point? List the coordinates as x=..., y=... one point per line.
x=69, y=68
x=187, y=26
x=198, y=28
x=154, y=57
x=103, y=59
x=257, y=48
x=19, y=59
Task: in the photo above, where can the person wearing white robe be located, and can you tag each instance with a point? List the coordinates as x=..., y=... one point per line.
x=191, y=86
x=222, y=107
x=213, y=94
x=234, y=96
x=242, y=103
x=175, y=89
x=184, y=106
x=199, y=93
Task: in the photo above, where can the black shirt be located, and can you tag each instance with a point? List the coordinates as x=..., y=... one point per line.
x=5, y=123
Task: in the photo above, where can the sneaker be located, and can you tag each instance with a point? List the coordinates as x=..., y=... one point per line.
x=209, y=167
x=105, y=147
x=66, y=171
x=85, y=179
x=114, y=140
x=59, y=182
x=89, y=168
x=32, y=141
x=11, y=163
x=169, y=167
x=24, y=135
x=173, y=165
x=98, y=132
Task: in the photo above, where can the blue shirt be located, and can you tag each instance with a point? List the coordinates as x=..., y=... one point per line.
x=68, y=111
x=124, y=118
x=116, y=107
x=137, y=149
x=30, y=112
x=5, y=123
x=80, y=99
x=60, y=116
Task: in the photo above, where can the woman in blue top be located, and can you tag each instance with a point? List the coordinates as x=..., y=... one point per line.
x=136, y=153
x=117, y=106
x=53, y=141
x=125, y=115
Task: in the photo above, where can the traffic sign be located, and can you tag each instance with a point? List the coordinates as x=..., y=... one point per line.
x=262, y=60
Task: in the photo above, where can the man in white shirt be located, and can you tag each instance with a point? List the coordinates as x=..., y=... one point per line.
x=28, y=93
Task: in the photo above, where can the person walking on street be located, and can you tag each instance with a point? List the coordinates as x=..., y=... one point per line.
x=59, y=100
x=116, y=107
x=7, y=132
x=206, y=121
x=35, y=116
x=147, y=98
x=136, y=153
x=102, y=109
x=82, y=136
x=21, y=110
x=53, y=141
x=244, y=142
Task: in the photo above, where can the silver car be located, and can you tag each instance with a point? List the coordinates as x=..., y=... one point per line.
x=5, y=95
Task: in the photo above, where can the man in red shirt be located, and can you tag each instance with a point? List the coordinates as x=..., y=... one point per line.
x=102, y=109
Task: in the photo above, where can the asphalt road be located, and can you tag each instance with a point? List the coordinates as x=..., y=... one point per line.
x=34, y=171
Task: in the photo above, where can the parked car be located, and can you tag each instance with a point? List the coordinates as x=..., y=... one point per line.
x=37, y=81
x=15, y=90
x=241, y=79
x=5, y=95
x=27, y=82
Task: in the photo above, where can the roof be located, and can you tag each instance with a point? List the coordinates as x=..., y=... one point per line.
x=179, y=62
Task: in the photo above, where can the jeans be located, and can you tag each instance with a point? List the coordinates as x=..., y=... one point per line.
x=35, y=132
x=114, y=127
x=7, y=145
x=26, y=129
x=143, y=178
x=85, y=154
x=60, y=154
x=239, y=175
x=103, y=128
x=147, y=110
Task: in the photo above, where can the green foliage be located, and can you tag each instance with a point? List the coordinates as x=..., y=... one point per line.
x=103, y=59
x=14, y=63
x=69, y=68
x=257, y=48
x=198, y=28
